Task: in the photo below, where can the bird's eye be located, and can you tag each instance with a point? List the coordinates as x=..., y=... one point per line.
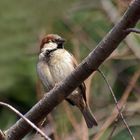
x=56, y=40
x=49, y=41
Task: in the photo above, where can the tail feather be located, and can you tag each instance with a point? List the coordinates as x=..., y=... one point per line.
x=89, y=118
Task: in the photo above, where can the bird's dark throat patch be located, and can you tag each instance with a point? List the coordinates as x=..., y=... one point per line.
x=48, y=52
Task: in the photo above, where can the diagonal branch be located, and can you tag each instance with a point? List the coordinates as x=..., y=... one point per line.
x=84, y=70
x=113, y=16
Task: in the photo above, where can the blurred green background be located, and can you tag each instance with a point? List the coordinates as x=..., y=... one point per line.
x=83, y=24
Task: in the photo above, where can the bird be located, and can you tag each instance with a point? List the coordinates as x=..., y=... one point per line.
x=54, y=64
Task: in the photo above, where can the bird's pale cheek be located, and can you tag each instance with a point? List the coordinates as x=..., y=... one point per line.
x=41, y=55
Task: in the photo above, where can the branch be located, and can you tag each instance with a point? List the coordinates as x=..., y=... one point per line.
x=84, y=70
x=27, y=120
x=117, y=105
x=113, y=16
x=135, y=30
x=114, y=128
x=121, y=103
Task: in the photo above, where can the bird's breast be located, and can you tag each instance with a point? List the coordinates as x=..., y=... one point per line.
x=60, y=65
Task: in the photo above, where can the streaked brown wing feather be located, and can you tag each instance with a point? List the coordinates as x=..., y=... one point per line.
x=82, y=86
x=83, y=91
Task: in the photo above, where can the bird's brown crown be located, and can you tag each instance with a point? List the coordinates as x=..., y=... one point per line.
x=48, y=38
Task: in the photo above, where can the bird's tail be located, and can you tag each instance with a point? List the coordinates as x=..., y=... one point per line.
x=89, y=118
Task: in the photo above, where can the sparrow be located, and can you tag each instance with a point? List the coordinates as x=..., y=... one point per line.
x=54, y=64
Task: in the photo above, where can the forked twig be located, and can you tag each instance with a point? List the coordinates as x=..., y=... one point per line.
x=116, y=102
x=27, y=120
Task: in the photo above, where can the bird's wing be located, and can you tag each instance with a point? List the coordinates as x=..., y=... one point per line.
x=83, y=89
x=45, y=75
x=82, y=86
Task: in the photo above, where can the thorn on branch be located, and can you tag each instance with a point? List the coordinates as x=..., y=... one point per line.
x=134, y=30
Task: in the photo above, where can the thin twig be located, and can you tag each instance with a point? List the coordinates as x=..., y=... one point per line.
x=113, y=130
x=73, y=120
x=134, y=30
x=116, y=102
x=27, y=120
x=121, y=103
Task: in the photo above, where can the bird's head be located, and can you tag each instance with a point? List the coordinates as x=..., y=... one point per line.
x=52, y=41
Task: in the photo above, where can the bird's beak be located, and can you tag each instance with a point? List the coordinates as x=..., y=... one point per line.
x=61, y=41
